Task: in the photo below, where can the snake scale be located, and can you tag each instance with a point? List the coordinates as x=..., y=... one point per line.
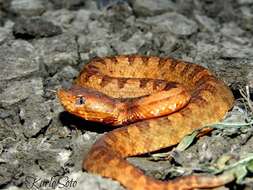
x=157, y=101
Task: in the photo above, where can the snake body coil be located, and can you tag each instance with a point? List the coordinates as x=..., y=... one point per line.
x=158, y=101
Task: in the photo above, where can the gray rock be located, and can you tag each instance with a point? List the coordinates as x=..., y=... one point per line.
x=35, y=27
x=91, y=5
x=208, y=23
x=88, y=181
x=84, y=142
x=12, y=187
x=27, y=7
x=73, y=4
x=7, y=135
x=246, y=12
x=235, y=50
x=97, y=48
x=35, y=115
x=8, y=141
x=81, y=20
x=8, y=162
x=157, y=169
x=4, y=114
x=174, y=22
x=204, y=48
x=18, y=59
x=97, y=30
x=132, y=45
x=3, y=35
x=234, y=33
x=17, y=91
x=250, y=79
x=168, y=43
x=63, y=77
x=9, y=25
x=2, y=18
x=57, y=51
x=5, y=175
x=6, y=31
x=34, y=158
x=97, y=40
x=151, y=7
x=68, y=73
x=61, y=17
x=231, y=29
x=245, y=2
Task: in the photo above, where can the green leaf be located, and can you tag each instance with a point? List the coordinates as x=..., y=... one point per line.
x=221, y=162
x=250, y=166
x=240, y=172
x=186, y=141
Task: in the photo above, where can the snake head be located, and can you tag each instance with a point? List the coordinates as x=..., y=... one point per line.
x=88, y=104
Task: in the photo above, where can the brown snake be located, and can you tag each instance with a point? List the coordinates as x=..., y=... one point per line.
x=158, y=100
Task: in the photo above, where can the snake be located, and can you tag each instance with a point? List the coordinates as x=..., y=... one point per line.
x=150, y=103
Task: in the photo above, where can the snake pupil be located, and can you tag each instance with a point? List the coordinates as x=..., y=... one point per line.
x=80, y=100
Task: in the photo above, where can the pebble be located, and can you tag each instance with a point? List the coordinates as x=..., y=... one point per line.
x=208, y=23
x=4, y=34
x=57, y=51
x=82, y=19
x=151, y=7
x=18, y=60
x=174, y=22
x=235, y=50
x=245, y=2
x=27, y=7
x=131, y=46
x=18, y=91
x=90, y=181
x=73, y=4
x=62, y=18
x=35, y=28
x=35, y=115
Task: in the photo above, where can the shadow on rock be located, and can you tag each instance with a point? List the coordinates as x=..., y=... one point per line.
x=73, y=121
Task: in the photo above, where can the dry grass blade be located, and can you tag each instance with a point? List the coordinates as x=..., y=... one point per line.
x=246, y=96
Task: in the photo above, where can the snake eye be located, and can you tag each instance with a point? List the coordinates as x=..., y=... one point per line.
x=80, y=100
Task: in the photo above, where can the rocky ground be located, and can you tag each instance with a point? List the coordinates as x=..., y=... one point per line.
x=45, y=43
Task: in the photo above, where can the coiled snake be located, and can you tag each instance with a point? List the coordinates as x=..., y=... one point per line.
x=157, y=100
